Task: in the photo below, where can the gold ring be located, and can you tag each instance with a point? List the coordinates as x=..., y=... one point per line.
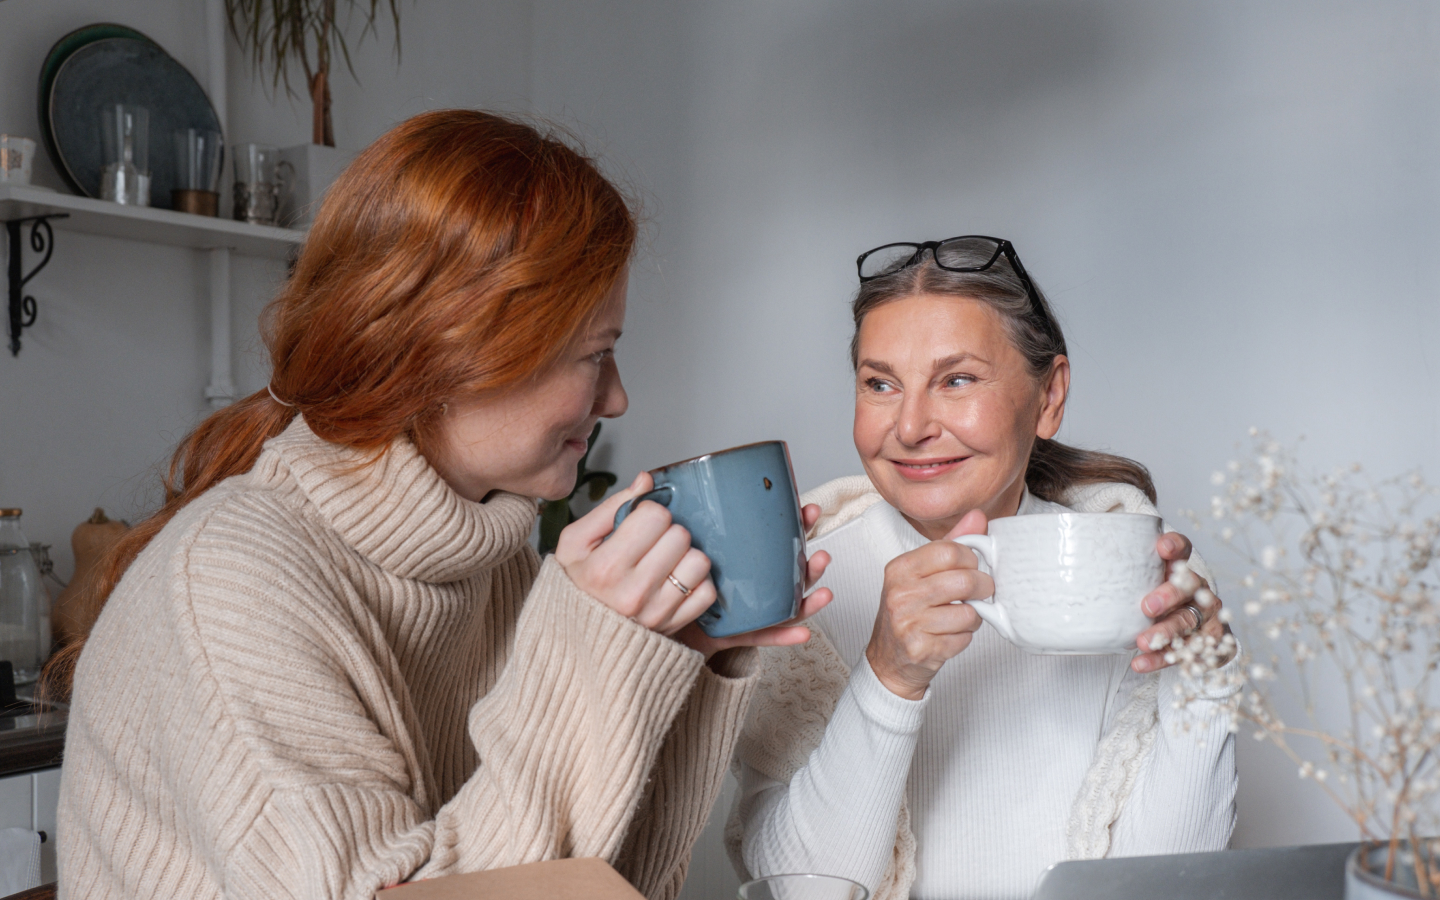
x=684, y=591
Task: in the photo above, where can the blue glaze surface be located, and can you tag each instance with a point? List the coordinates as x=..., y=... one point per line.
x=742, y=510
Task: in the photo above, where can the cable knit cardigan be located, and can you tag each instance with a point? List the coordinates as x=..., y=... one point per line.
x=801, y=685
x=327, y=676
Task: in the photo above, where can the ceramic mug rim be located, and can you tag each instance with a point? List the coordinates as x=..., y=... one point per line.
x=1105, y=516
x=704, y=456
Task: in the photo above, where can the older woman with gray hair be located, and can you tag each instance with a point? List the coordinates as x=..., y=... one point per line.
x=904, y=746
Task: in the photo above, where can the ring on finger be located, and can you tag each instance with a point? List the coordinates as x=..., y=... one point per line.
x=679, y=585
x=1196, y=613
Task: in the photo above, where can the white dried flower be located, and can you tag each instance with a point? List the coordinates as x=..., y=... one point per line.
x=1217, y=478
x=1253, y=608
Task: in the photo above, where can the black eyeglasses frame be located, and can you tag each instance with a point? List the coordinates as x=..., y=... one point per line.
x=1002, y=248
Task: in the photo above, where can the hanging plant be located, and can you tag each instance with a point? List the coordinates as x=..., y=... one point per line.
x=277, y=32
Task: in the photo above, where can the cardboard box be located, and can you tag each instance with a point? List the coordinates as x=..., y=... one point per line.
x=557, y=879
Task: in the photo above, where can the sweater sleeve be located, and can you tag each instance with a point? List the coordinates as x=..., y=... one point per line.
x=687, y=778
x=566, y=740
x=1184, y=796
x=837, y=814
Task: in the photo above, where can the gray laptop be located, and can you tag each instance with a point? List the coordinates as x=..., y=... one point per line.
x=1315, y=872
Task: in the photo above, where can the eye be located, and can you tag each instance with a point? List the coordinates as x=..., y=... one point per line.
x=599, y=357
x=954, y=381
x=879, y=386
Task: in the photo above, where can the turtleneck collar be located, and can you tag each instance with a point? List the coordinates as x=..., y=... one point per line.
x=398, y=512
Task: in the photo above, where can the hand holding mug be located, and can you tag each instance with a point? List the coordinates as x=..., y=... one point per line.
x=636, y=571
x=923, y=620
x=784, y=634
x=1185, y=603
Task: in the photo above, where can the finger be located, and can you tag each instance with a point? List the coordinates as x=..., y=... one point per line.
x=1158, y=636
x=809, y=515
x=594, y=526
x=1173, y=545
x=774, y=636
x=691, y=608
x=637, y=536
x=693, y=571
x=814, y=602
x=815, y=567
x=924, y=561
x=650, y=575
x=1149, y=662
x=956, y=586
x=952, y=618
x=1163, y=600
x=973, y=522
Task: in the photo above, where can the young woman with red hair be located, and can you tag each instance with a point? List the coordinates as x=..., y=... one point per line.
x=331, y=661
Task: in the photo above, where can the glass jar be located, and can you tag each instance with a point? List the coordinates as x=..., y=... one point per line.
x=22, y=599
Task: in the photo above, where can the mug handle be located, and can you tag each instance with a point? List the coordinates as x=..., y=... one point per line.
x=992, y=612
x=662, y=495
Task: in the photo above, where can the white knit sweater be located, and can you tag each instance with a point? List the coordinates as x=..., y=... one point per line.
x=325, y=677
x=1010, y=762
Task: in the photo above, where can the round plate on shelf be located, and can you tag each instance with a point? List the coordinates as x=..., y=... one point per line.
x=129, y=70
x=60, y=52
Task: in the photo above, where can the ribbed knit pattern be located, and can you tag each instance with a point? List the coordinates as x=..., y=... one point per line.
x=325, y=676
x=1011, y=762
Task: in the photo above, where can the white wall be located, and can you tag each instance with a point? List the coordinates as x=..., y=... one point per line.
x=1232, y=206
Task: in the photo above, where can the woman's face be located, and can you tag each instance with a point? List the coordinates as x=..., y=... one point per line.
x=527, y=440
x=946, y=409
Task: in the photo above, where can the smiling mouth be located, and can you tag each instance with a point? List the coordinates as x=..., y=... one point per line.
x=926, y=468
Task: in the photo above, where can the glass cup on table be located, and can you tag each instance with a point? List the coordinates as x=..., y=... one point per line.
x=802, y=887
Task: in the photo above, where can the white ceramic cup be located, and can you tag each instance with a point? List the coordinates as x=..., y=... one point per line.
x=1069, y=583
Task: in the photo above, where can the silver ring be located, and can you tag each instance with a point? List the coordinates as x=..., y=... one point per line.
x=1197, y=613
x=684, y=591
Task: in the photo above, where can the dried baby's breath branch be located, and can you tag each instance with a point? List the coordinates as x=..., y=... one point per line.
x=1339, y=578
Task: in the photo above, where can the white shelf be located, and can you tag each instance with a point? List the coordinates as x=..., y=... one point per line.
x=139, y=223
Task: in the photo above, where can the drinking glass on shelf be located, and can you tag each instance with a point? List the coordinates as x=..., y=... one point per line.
x=802, y=887
x=125, y=139
x=197, y=172
x=258, y=183
x=17, y=155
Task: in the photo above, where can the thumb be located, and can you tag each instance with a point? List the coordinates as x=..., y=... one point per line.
x=973, y=522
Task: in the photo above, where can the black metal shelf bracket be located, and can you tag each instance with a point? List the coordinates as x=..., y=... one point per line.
x=42, y=240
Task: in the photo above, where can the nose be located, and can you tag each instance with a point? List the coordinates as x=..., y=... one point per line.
x=916, y=422
x=611, y=401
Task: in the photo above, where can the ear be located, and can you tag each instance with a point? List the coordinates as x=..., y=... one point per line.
x=1052, y=398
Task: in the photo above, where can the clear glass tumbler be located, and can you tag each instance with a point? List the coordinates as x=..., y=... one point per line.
x=22, y=600
x=125, y=139
x=257, y=191
x=197, y=172
x=802, y=887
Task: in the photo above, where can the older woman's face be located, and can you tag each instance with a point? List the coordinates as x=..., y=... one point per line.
x=529, y=439
x=946, y=409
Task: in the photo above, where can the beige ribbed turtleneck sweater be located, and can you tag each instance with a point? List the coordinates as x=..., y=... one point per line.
x=325, y=677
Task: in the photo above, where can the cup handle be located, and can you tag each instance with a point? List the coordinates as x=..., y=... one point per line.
x=661, y=495
x=989, y=610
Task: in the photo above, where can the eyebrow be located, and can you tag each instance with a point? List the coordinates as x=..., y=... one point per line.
x=612, y=333
x=942, y=363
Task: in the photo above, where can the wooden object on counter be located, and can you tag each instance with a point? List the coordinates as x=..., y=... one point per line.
x=556, y=879
x=91, y=540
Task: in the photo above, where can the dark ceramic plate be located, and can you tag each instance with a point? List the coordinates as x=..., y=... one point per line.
x=129, y=70
x=61, y=51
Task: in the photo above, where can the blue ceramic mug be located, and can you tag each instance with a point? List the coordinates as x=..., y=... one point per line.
x=741, y=509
